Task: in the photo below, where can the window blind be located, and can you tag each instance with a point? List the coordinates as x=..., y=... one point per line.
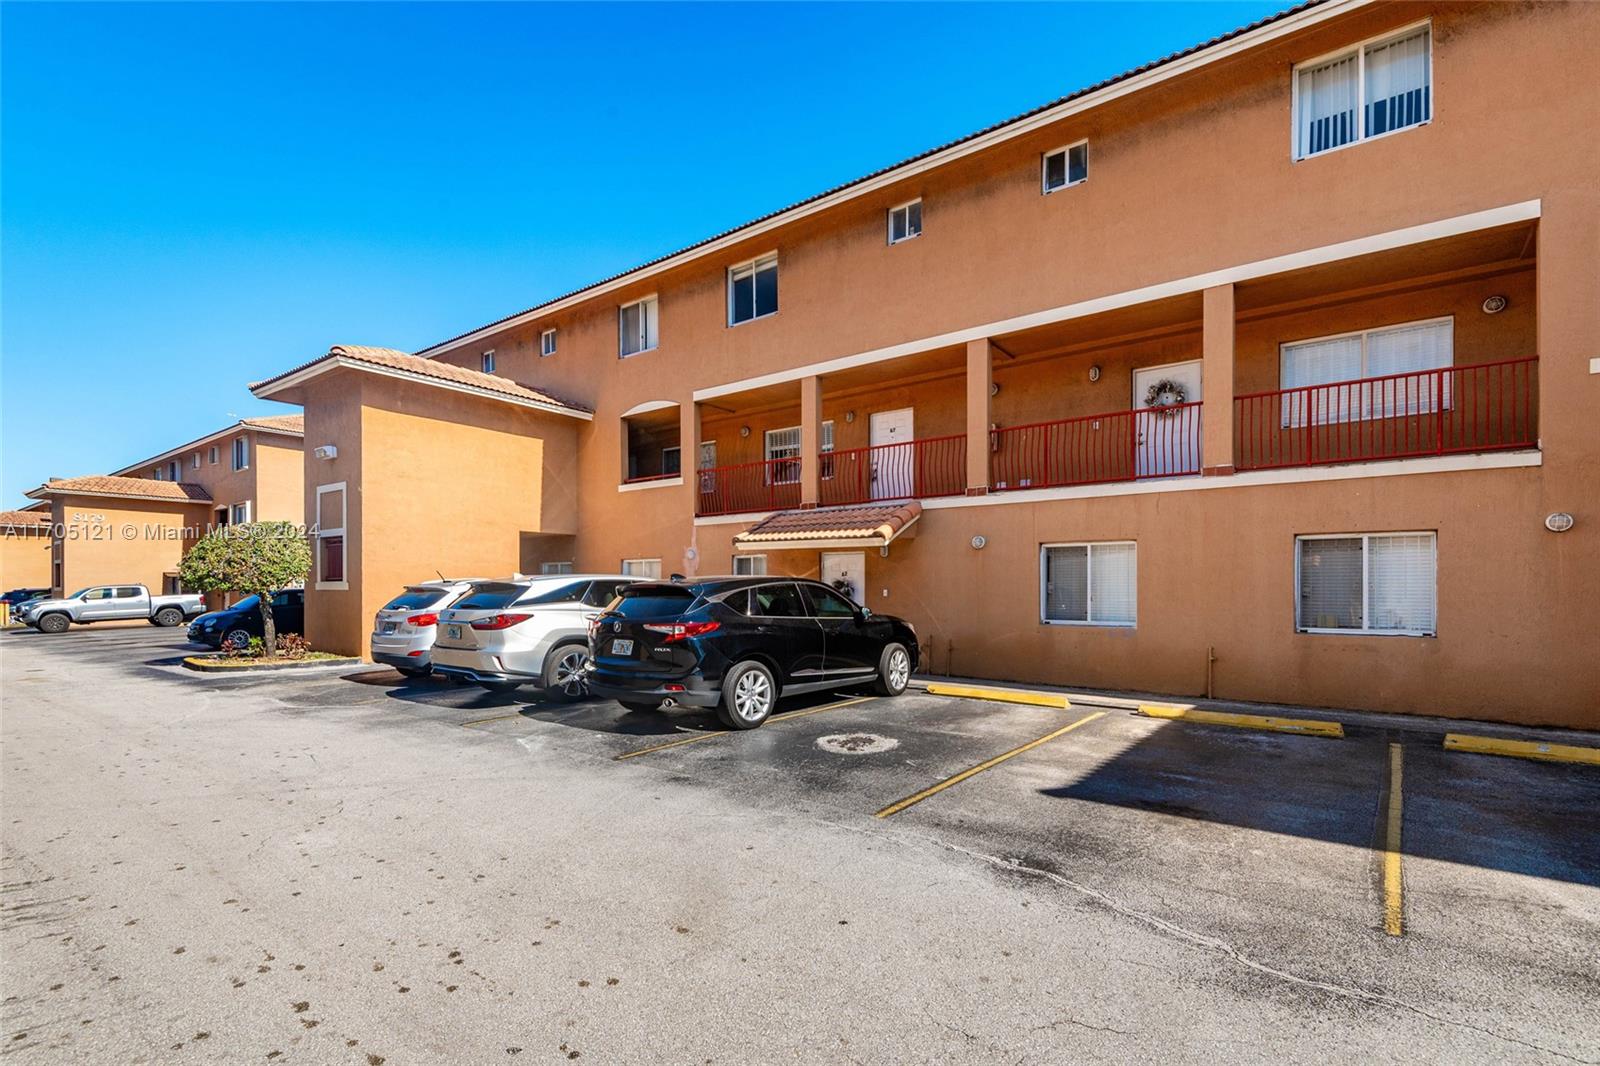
x=1397, y=84
x=1328, y=105
x=1091, y=583
x=1066, y=583
x=1330, y=583
x=1372, y=583
x=1112, y=584
x=1401, y=583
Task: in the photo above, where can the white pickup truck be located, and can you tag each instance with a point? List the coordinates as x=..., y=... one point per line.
x=105, y=603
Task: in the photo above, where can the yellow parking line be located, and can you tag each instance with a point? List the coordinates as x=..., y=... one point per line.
x=915, y=798
x=1521, y=749
x=1393, y=885
x=1002, y=695
x=681, y=741
x=1311, y=727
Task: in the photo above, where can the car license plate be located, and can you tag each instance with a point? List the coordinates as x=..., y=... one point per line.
x=622, y=647
x=454, y=632
x=388, y=627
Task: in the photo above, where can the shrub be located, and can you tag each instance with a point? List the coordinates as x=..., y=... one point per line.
x=254, y=558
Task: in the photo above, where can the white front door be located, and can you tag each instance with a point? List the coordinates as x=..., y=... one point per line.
x=893, y=454
x=847, y=572
x=1169, y=435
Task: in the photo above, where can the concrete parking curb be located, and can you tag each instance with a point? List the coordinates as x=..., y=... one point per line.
x=1522, y=749
x=1001, y=695
x=1311, y=727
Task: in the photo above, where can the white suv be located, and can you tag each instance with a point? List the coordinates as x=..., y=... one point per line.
x=502, y=634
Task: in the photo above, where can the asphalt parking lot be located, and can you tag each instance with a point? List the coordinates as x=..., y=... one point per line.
x=862, y=879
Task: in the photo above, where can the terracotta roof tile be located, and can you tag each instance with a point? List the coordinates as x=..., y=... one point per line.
x=877, y=524
x=9, y=519
x=393, y=359
x=277, y=423
x=107, y=485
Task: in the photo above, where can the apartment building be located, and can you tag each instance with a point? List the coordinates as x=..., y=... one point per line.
x=136, y=523
x=1265, y=371
x=24, y=549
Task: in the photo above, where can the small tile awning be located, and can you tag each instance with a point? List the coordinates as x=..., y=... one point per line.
x=831, y=527
x=131, y=488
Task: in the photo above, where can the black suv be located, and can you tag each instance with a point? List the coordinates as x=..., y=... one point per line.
x=739, y=643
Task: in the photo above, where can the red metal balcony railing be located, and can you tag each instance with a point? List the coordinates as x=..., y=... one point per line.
x=917, y=469
x=1117, y=446
x=772, y=485
x=1486, y=407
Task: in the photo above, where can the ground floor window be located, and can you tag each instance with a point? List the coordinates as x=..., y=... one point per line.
x=331, y=514
x=239, y=513
x=555, y=568
x=1089, y=584
x=1382, y=583
x=649, y=569
x=750, y=565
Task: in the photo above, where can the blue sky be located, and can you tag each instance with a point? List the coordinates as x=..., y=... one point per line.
x=193, y=196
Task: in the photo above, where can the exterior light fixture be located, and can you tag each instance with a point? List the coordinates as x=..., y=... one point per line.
x=744, y=431
x=1094, y=373
x=1559, y=522
x=994, y=388
x=1495, y=304
x=979, y=541
x=325, y=451
x=849, y=416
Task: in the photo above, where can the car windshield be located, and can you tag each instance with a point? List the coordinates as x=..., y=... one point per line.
x=653, y=601
x=75, y=595
x=490, y=596
x=413, y=598
x=249, y=603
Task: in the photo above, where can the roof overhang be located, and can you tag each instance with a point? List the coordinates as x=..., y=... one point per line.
x=274, y=388
x=818, y=528
x=1152, y=74
x=45, y=492
x=239, y=427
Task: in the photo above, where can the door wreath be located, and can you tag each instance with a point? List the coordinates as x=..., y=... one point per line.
x=1165, y=394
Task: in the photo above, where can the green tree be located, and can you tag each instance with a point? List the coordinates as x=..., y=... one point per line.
x=256, y=558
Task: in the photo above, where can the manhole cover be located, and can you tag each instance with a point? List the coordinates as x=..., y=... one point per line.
x=856, y=743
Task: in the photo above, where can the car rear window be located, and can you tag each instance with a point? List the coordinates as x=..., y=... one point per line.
x=490, y=596
x=412, y=599
x=653, y=601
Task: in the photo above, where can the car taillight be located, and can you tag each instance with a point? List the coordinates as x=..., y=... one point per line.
x=500, y=621
x=423, y=620
x=676, y=631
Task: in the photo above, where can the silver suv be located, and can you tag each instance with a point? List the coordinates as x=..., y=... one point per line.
x=404, y=628
x=503, y=634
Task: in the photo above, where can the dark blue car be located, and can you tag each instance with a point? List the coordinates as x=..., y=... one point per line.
x=234, y=626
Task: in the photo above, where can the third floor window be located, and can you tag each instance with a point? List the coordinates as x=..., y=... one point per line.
x=1363, y=92
x=637, y=327
x=753, y=290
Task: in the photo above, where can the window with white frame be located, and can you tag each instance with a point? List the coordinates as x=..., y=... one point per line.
x=1365, y=91
x=1400, y=357
x=159, y=474
x=239, y=513
x=486, y=362
x=212, y=455
x=1379, y=583
x=555, y=568
x=637, y=327
x=649, y=569
x=753, y=289
x=783, y=454
x=1089, y=584
x=330, y=560
x=547, y=343
x=905, y=222
x=195, y=461
x=1066, y=166
x=174, y=470
x=750, y=565
x=241, y=453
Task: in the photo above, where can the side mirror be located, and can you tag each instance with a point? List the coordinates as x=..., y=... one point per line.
x=866, y=612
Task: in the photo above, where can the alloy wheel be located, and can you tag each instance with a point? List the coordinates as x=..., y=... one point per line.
x=752, y=695
x=569, y=673
x=899, y=669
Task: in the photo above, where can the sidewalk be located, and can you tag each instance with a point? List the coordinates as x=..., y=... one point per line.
x=1400, y=723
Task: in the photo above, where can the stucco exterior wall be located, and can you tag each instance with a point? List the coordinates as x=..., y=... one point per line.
x=110, y=541
x=24, y=559
x=279, y=478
